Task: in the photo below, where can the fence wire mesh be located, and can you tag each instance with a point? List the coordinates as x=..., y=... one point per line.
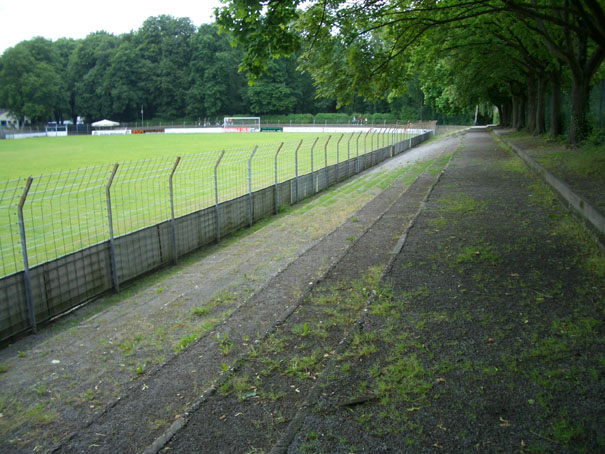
x=11, y=259
x=69, y=211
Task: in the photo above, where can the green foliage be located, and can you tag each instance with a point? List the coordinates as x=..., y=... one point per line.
x=224, y=344
x=30, y=80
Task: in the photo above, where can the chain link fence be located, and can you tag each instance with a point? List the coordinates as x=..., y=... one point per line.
x=69, y=237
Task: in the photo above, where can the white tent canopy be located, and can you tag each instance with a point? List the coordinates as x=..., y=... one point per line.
x=104, y=124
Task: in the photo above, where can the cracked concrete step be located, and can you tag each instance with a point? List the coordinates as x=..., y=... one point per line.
x=373, y=248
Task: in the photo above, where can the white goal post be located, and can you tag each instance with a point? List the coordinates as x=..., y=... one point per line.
x=56, y=130
x=241, y=124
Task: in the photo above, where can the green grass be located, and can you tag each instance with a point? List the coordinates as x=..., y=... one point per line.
x=38, y=156
x=587, y=161
x=66, y=208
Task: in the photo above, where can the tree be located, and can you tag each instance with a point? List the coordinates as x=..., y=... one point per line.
x=88, y=69
x=164, y=42
x=29, y=83
x=64, y=47
x=125, y=81
x=363, y=46
x=215, y=85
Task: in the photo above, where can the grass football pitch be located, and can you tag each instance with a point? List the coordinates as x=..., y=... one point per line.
x=66, y=207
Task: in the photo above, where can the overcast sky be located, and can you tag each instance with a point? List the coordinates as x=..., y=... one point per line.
x=22, y=20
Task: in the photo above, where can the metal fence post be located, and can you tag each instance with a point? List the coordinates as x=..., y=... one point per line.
x=28, y=289
x=365, y=158
x=312, y=174
x=276, y=195
x=357, y=144
x=326, y=161
x=296, y=166
x=172, y=223
x=112, y=248
x=349, y=152
x=338, y=158
x=250, y=184
x=218, y=223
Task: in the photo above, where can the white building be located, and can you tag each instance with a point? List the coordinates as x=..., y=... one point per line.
x=8, y=121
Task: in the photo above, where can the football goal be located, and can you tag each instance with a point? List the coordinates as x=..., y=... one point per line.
x=242, y=124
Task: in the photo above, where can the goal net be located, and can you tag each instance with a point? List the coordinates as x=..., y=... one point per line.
x=241, y=124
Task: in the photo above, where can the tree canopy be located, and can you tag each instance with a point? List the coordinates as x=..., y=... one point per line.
x=410, y=57
x=168, y=68
x=504, y=52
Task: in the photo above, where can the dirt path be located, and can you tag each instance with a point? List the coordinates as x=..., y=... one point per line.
x=118, y=352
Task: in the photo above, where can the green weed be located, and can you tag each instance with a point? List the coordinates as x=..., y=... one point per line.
x=303, y=367
x=479, y=253
x=185, y=342
x=224, y=344
x=460, y=204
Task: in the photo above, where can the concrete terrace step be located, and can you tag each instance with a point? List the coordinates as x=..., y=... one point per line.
x=127, y=425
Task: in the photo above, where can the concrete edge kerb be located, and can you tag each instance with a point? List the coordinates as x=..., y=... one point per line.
x=590, y=215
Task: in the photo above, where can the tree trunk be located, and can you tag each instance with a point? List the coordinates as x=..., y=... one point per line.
x=508, y=113
x=519, y=112
x=541, y=106
x=514, y=111
x=556, y=121
x=601, y=103
x=579, y=126
x=501, y=120
x=476, y=115
x=532, y=99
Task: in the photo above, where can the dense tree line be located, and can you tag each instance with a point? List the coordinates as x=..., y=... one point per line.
x=168, y=69
x=507, y=53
